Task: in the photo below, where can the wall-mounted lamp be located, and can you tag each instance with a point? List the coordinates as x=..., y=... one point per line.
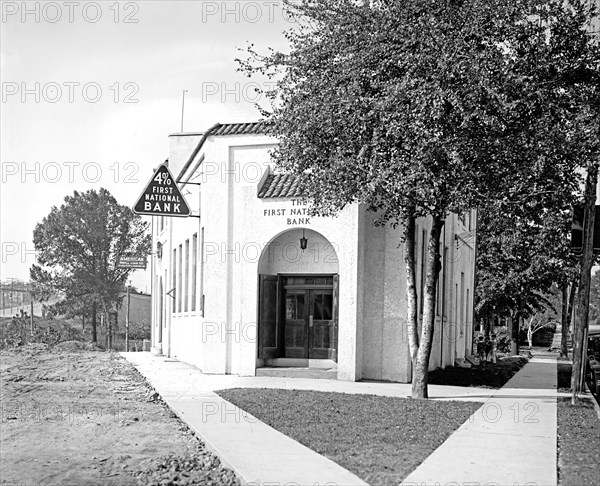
x=303, y=241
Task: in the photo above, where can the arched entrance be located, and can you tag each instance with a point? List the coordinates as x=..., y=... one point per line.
x=298, y=297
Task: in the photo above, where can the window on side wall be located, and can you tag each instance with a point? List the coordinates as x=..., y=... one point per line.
x=174, y=280
x=194, y=269
x=186, y=296
x=179, y=278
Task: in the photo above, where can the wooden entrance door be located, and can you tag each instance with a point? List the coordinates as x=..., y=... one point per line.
x=269, y=324
x=298, y=316
x=321, y=325
x=310, y=324
x=296, y=323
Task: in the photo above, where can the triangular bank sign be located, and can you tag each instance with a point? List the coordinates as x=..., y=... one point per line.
x=162, y=196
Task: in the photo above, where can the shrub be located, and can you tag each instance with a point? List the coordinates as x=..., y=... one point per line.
x=17, y=331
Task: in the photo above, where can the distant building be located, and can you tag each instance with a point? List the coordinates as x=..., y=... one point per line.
x=234, y=291
x=140, y=320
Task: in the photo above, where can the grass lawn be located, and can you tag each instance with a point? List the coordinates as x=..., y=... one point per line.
x=486, y=375
x=380, y=439
x=578, y=436
x=578, y=443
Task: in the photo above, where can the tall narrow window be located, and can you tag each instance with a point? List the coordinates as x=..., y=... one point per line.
x=179, y=277
x=444, y=282
x=175, y=292
x=456, y=324
x=202, y=272
x=423, y=262
x=194, y=269
x=186, y=296
x=462, y=302
x=468, y=319
x=439, y=295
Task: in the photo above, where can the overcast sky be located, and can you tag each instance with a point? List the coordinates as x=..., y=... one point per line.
x=91, y=91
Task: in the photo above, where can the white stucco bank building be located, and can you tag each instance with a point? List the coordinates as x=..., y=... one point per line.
x=235, y=292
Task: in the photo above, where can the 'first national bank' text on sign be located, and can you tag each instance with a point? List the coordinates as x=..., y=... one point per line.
x=162, y=196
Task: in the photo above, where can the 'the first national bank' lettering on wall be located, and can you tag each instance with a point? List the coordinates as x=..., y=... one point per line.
x=294, y=216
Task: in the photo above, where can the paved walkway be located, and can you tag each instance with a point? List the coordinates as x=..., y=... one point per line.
x=511, y=439
x=256, y=452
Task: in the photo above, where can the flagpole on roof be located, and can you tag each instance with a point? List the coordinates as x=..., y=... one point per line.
x=182, y=107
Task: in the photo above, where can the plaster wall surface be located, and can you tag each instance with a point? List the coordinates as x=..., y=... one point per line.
x=241, y=236
x=181, y=146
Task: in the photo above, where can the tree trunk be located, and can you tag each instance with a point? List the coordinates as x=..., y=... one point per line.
x=513, y=332
x=583, y=294
x=108, y=320
x=572, y=294
x=94, y=324
x=515, y=337
x=530, y=333
x=490, y=326
x=564, y=330
x=421, y=369
x=411, y=286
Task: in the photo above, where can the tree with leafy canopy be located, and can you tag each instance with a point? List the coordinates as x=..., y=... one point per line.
x=78, y=246
x=523, y=251
x=547, y=317
x=417, y=109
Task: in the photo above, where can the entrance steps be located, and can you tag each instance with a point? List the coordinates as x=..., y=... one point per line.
x=297, y=372
x=468, y=362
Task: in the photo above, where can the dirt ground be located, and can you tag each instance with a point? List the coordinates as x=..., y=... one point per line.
x=73, y=416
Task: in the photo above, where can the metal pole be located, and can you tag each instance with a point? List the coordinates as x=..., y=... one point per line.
x=583, y=295
x=31, y=317
x=584, y=361
x=182, y=107
x=127, y=322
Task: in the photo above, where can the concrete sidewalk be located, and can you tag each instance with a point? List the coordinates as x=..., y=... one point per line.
x=256, y=452
x=510, y=440
x=190, y=380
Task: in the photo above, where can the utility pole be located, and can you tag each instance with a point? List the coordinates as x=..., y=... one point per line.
x=127, y=320
x=31, y=317
x=583, y=294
